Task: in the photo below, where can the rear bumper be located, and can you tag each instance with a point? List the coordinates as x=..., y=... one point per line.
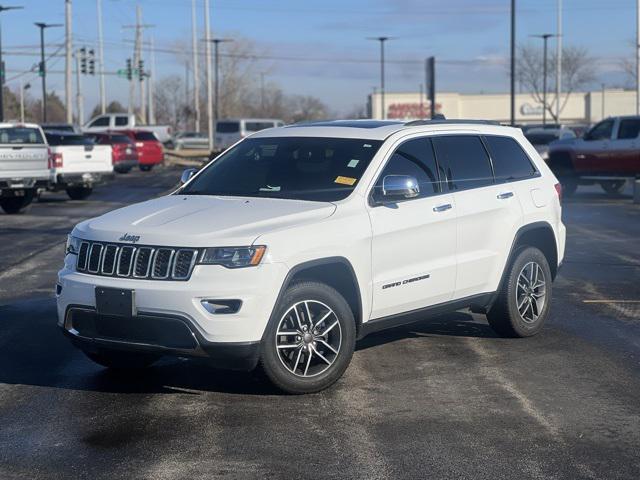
x=85, y=179
x=154, y=333
x=8, y=185
x=125, y=164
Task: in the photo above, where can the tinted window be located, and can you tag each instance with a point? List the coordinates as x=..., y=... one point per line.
x=601, y=131
x=257, y=126
x=55, y=139
x=100, y=122
x=416, y=159
x=145, y=136
x=629, y=128
x=21, y=135
x=120, y=139
x=228, y=127
x=60, y=128
x=541, y=138
x=510, y=162
x=320, y=169
x=122, y=121
x=464, y=160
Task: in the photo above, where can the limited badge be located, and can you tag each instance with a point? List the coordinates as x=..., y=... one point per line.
x=345, y=180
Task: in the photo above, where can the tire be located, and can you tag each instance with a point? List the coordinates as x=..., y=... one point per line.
x=505, y=317
x=146, y=168
x=79, y=193
x=569, y=185
x=122, y=169
x=15, y=205
x=315, y=362
x=120, y=360
x=613, y=188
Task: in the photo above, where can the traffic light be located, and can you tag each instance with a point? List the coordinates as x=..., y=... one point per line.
x=83, y=60
x=2, y=73
x=41, y=69
x=92, y=62
x=141, y=70
x=129, y=69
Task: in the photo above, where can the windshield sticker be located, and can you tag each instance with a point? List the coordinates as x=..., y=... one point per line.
x=269, y=188
x=345, y=180
x=353, y=163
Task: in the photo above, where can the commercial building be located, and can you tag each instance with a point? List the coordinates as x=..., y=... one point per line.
x=580, y=108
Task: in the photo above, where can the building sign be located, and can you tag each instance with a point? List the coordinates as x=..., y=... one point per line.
x=410, y=110
x=527, y=109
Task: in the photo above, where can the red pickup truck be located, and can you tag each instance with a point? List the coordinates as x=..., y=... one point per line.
x=608, y=154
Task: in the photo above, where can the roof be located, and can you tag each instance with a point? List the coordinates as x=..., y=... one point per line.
x=376, y=129
x=18, y=124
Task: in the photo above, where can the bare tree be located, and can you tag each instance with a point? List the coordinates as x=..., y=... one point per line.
x=577, y=72
x=171, y=105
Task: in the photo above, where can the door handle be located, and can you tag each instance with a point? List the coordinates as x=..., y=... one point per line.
x=442, y=208
x=505, y=195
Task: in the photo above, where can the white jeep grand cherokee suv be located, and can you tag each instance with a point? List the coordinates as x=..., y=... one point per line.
x=300, y=240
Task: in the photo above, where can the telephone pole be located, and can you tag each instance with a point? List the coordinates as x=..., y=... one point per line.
x=150, y=85
x=207, y=34
x=80, y=56
x=196, y=79
x=43, y=67
x=216, y=44
x=513, y=63
x=103, y=95
x=2, y=69
x=545, y=37
x=68, y=94
x=559, y=62
x=137, y=57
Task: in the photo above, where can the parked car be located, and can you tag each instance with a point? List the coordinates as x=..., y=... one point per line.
x=150, y=150
x=77, y=163
x=124, y=155
x=24, y=165
x=60, y=127
x=191, y=140
x=542, y=138
x=300, y=240
x=229, y=131
x=122, y=121
x=608, y=154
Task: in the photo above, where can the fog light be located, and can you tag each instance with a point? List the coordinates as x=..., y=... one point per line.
x=221, y=306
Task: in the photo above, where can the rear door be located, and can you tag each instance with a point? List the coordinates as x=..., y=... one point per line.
x=414, y=240
x=487, y=212
x=625, y=149
x=23, y=153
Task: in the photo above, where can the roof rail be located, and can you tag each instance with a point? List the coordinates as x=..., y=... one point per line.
x=440, y=121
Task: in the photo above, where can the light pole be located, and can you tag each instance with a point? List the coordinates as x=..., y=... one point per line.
x=381, y=40
x=513, y=62
x=2, y=69
x=545, y=38
x=43, y=67
x=23, y=87
x=216, y=60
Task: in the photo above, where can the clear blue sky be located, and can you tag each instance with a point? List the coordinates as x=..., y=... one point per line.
x=469, y=38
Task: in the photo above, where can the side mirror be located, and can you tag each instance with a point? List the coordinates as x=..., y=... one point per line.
x=187, y=174
x=396, y=187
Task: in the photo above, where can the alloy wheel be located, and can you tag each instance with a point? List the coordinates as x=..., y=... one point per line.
x=531, y=292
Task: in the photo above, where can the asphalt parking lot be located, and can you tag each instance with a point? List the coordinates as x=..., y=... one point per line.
x=445, y=398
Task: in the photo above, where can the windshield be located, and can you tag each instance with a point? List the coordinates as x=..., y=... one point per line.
x=120, y=139
x=55, y=139
x=301, y=168
x=21, y=135
x=145, y=136
x=227, y=127
x=541, y=138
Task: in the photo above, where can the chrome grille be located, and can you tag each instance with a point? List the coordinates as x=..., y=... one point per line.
x=139, y=262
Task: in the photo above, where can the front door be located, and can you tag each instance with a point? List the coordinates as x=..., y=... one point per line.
x=414, y=240
x=625, y=149
x=592, y=155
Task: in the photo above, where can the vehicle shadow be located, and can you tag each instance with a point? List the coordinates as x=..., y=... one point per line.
x=34, y=352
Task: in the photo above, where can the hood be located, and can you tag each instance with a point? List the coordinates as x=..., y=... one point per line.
x=201, y=221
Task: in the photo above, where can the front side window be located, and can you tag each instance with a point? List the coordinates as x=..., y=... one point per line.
x=510, y=162
x=297, y=168
x=464, y=160
x=416, y=159
x=122, y=121
x=629, y=129
x=601, y=131
x=100, y=122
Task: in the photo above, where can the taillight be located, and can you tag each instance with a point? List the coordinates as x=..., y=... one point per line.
x=139, y=144
x=559, y=190
x=55, y=160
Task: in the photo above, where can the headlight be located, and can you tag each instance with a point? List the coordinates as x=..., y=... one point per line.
x=233, y=257
x=73, y=245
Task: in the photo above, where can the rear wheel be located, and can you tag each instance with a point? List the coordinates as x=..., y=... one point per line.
x=613, y=187
x=79, y=193
x=118, y=360
x=523, y=304
x=14, y=205
x=146, y=168
x=122, y=169
x=569, y=184
x=310, y=339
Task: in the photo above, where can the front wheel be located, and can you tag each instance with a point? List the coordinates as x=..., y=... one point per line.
x=613, y=187
x=117, y=360
x=79, y=193
x=310, y=340
x=523, y=303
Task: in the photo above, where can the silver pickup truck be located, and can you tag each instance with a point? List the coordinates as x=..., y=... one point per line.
x=24, y=165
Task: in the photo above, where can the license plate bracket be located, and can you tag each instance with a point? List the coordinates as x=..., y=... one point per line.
x=116, y=302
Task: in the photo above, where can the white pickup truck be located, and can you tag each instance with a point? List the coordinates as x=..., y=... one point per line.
x=122, y=121
x=77, y=163
x=24, y=165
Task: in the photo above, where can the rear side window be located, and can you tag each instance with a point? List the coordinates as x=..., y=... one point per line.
x=228, y=127
x=510, y=162
x=257, y=126
x=464, y=160
x=122, y=121
x=100, y=122
x=56, y=140
x=145, y=136
x=21, y=135
x=629, y=129
x=416, y=159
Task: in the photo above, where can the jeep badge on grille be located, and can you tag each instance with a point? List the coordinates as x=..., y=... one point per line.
x=129, y=238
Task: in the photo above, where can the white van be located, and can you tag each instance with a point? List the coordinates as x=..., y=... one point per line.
x=229, y=131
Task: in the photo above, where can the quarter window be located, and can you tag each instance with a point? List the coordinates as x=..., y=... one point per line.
x=510, y=162
x=416, y=159
x=464, y=160
x=629, y=129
